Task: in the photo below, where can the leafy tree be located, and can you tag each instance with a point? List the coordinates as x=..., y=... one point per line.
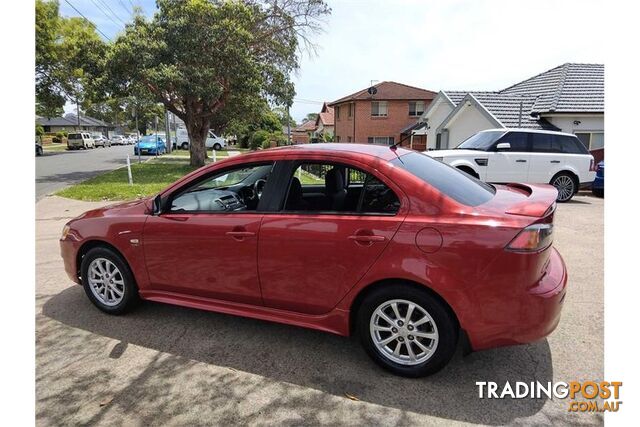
x=69, y=59
x=209, y=61
x=311, y=116
x=284, y=117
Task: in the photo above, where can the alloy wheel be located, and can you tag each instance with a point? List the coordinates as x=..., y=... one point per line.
x=403, y=332
x=106, y=282
x=565, y=186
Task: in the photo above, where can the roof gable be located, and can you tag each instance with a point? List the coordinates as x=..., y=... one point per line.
x=389, y=91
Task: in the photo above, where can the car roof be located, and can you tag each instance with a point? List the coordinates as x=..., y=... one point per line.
x=553, y=132
x=384, y=152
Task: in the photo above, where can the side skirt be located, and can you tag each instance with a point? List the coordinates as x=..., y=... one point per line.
x=335, y=322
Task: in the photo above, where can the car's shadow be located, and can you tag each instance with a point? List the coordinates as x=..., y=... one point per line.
x=321, y=361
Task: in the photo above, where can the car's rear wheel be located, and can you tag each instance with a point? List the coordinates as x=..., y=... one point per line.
x=407, y=331
x=566, y=186
x=108, y=281
x=185, y=146
x=217, y=146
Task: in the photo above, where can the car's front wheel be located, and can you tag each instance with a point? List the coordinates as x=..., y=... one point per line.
x=185, y=146
x=407, y=331
x=217, y=146
x=566, y=186
x=108, y=281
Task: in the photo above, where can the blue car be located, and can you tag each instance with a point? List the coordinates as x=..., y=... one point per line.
x=597, y=188
x=150, y=144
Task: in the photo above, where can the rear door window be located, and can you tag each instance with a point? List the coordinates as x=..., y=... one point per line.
x=543, y=143
x=452, y=182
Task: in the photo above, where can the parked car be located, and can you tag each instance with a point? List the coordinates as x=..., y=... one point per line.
x=150, y=145
x=132, y=139
x=213, y=141
x=119, y=140
x=524, y=155
x=102, y=141
x=77, y=140
x=598, y=184
x=39, y=151
x=403, y=250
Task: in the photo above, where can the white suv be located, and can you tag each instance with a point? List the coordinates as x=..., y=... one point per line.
x=77, y=140
x=524, y=155
x=213, y=141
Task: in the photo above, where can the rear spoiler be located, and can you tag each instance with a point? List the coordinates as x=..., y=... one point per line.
x=541, y=200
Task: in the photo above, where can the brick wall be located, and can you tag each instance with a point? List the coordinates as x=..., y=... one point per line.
x=362, y=125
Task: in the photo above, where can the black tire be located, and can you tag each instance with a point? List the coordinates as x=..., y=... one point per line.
x=185, y=146
x=39, y=151
x=130, y=298
x=598, y=192
x=217, y=146
x=445, y=323
x=566, y=184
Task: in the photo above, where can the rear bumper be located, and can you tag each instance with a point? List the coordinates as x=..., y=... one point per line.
x=537, y=312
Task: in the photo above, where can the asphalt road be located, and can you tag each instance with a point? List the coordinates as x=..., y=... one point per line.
x=56, y=170
x=166, y=365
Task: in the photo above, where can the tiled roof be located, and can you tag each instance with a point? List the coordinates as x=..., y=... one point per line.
x=568, y=88
x=306, y=126
x=389, y=91
x=72, y=120
x=326, y=118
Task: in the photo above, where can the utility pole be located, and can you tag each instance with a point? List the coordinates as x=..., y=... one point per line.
x=167, y=129
x=288, y=126
x=78, y=113
x=155, y=125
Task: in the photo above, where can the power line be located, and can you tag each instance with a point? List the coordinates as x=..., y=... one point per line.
x=130, y=12
x=100, y=8
x=87, y=19
x=112, y=12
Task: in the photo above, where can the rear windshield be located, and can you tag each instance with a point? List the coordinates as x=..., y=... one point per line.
x=450, y=181
x=75, y=136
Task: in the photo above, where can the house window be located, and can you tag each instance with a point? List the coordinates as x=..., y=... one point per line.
x=591, y=140
x=337, y=138
x=337, y=110
x=380, y=140
x=416, y=108
x=350, y=111
x=348, y=139
x=379, y=109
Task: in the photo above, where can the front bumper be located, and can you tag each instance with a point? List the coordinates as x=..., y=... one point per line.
x=535, y=314
x=68, y=251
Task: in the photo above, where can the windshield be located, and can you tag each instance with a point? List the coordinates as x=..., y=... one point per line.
x=448, y=180
x=481, y=141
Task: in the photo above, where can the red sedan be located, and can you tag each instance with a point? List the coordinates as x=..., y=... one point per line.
x=388, y=243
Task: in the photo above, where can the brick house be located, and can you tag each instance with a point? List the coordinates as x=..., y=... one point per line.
x=302, y=134
x=383, y=114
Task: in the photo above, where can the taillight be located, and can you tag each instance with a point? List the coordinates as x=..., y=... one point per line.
x=592, y=165
x=534, y=238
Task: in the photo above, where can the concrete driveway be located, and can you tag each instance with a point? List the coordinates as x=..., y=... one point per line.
x=170, y=365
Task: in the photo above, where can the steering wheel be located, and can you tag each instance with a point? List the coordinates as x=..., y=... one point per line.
x=259, y=186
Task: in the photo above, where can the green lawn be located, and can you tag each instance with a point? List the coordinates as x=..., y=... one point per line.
x=185, y=153
x=148, y=178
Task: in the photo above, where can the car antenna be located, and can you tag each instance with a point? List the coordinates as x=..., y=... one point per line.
x=394, y=147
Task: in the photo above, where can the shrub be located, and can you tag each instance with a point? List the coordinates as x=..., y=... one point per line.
x=257, y=139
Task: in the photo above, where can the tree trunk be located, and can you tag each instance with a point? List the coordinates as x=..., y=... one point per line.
x=197, y=129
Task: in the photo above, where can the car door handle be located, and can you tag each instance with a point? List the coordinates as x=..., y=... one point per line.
x=367, y=238
x=240, y=233
x=521, y=161
x=177, y=217
x=555, y=161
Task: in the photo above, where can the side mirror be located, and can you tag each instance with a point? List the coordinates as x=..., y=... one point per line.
x=503, y=146
x=157, y=205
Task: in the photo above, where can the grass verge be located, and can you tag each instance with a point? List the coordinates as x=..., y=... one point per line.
x=148, y=178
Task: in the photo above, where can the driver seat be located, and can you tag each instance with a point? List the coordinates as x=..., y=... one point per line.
x=334, y=189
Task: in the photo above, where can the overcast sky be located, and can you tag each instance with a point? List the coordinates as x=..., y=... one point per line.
x=452, y=44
